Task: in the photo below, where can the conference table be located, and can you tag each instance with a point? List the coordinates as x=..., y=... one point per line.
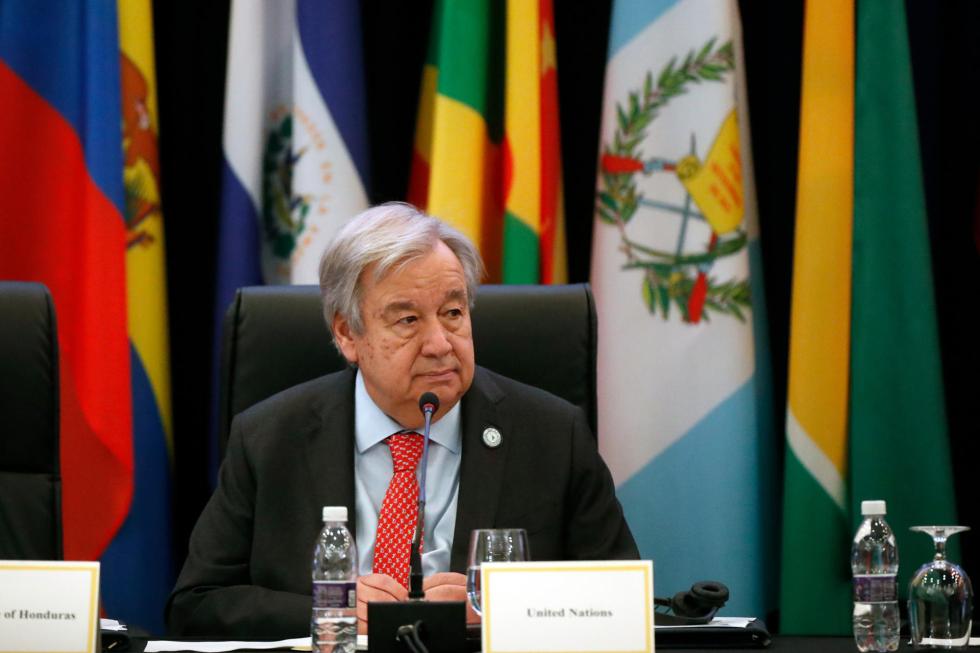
x=779, y=644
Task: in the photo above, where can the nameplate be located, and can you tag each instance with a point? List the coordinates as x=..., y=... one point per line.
x=567, y=607
x=50, y=607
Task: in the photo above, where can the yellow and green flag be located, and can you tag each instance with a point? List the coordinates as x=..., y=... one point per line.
x=816, y=520
x=865, y=418
x=487, y=154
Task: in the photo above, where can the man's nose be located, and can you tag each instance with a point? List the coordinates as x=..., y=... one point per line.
x=435, y=340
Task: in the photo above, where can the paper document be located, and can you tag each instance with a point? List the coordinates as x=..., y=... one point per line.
x=295, y=644
x=724, y=622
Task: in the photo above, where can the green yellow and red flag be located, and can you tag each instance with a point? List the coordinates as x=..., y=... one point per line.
x=487, y=154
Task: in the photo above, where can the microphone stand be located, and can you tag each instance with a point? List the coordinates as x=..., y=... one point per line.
x=415, y=592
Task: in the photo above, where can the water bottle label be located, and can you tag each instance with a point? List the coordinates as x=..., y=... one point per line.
x=875, y=588
x=334, y=594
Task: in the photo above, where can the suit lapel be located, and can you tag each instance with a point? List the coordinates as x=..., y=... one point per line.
x=481, y=469
x=330, y=447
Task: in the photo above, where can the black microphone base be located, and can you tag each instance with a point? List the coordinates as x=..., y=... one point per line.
x=442, y=630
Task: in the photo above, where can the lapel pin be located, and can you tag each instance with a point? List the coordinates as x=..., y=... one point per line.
x=491, y=437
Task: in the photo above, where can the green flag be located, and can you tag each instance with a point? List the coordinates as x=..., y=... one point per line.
x=865, y=416
x=899, y=449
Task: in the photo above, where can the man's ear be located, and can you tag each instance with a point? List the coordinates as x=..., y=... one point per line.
x=344, y=336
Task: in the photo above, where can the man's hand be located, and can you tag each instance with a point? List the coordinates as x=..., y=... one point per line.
x=377, y=588
x=444, y=586
x=448, y=586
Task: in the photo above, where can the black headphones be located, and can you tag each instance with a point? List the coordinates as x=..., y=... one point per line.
x=695, y=606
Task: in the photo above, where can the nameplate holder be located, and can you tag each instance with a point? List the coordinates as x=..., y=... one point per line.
x=441, y=626
x=49, y=607
x=567, y=607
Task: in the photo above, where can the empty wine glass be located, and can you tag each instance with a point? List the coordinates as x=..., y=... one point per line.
x=940, y=596
x=492, y=545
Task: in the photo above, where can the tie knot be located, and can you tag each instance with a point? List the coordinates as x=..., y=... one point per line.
x=406, y=450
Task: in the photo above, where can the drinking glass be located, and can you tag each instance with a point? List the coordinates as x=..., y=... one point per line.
x=492, y=545
x=940, y=596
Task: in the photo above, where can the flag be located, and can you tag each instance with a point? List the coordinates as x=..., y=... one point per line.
x=897, y=420
x=295, y=144
x=459, y=134
x=816, y=520
x=487, y=155
x=295, y=165
x=143, y=547
x=534, y=237
x=62, y=222
x=866, y=414
x=682, y=357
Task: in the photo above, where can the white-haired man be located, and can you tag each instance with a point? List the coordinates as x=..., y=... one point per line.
x=397, y=289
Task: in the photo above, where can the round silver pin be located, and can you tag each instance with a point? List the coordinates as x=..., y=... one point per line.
x=491, y=437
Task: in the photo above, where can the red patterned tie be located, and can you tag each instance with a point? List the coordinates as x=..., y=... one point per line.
x=396, y=522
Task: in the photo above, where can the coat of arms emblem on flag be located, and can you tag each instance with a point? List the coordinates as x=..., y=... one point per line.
x=710, y=214
x=284, y=210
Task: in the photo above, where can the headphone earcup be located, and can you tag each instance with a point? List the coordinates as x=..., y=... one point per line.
x=710, y=593
x=700, y=600
x=685, y=605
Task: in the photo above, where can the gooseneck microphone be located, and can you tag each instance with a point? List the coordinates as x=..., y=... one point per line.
x=416, y=624
x=428, y=404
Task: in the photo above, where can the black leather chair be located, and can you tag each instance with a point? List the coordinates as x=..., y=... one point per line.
x=275, y=337
x=30, y=476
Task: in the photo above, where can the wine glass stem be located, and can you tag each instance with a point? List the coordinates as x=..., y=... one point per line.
x=940, y=541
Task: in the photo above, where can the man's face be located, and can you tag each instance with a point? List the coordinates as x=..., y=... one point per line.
x=416, y=335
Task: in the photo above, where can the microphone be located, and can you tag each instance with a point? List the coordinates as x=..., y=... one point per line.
x=417, y=624
x=428, y=404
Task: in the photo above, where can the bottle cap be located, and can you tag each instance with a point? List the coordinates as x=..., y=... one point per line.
x=872, y=508
x=335, y=513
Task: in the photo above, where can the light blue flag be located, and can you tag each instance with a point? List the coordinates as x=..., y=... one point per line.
x=684, y=408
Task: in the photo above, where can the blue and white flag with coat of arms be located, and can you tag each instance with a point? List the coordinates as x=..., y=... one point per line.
x=295, y=165
x=295, y=140
x=684, y=408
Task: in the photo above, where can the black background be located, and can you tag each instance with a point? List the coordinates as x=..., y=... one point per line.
x=191, y=43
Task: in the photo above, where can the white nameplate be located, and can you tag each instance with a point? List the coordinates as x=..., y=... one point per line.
x=48, y=606
x=567, y=607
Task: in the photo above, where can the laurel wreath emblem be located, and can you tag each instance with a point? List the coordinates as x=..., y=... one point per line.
x=678, y=279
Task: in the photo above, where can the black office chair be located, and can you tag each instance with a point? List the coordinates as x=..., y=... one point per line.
x=30, y=476
x=275, y=337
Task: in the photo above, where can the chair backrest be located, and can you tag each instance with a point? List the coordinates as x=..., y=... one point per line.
x=275, y=337
x=30, y=476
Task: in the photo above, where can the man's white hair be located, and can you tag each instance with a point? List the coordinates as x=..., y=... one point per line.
x=386, y=236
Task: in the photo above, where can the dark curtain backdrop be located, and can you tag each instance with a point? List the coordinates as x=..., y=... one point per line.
x=191, y=40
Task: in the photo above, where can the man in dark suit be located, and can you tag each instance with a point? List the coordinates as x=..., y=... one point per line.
x=397, y=289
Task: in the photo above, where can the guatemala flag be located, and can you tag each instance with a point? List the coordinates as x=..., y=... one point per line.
x=682, y=371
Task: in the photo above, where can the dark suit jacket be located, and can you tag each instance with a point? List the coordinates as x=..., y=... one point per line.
x=247, y=574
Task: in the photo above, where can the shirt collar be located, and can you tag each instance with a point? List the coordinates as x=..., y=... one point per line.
x=372, y=425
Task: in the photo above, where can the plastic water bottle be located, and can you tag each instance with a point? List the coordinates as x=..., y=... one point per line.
x=874, y=562
x=333, y=626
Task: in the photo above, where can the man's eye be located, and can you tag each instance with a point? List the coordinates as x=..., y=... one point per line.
x=408, y=319
x=455, y=312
